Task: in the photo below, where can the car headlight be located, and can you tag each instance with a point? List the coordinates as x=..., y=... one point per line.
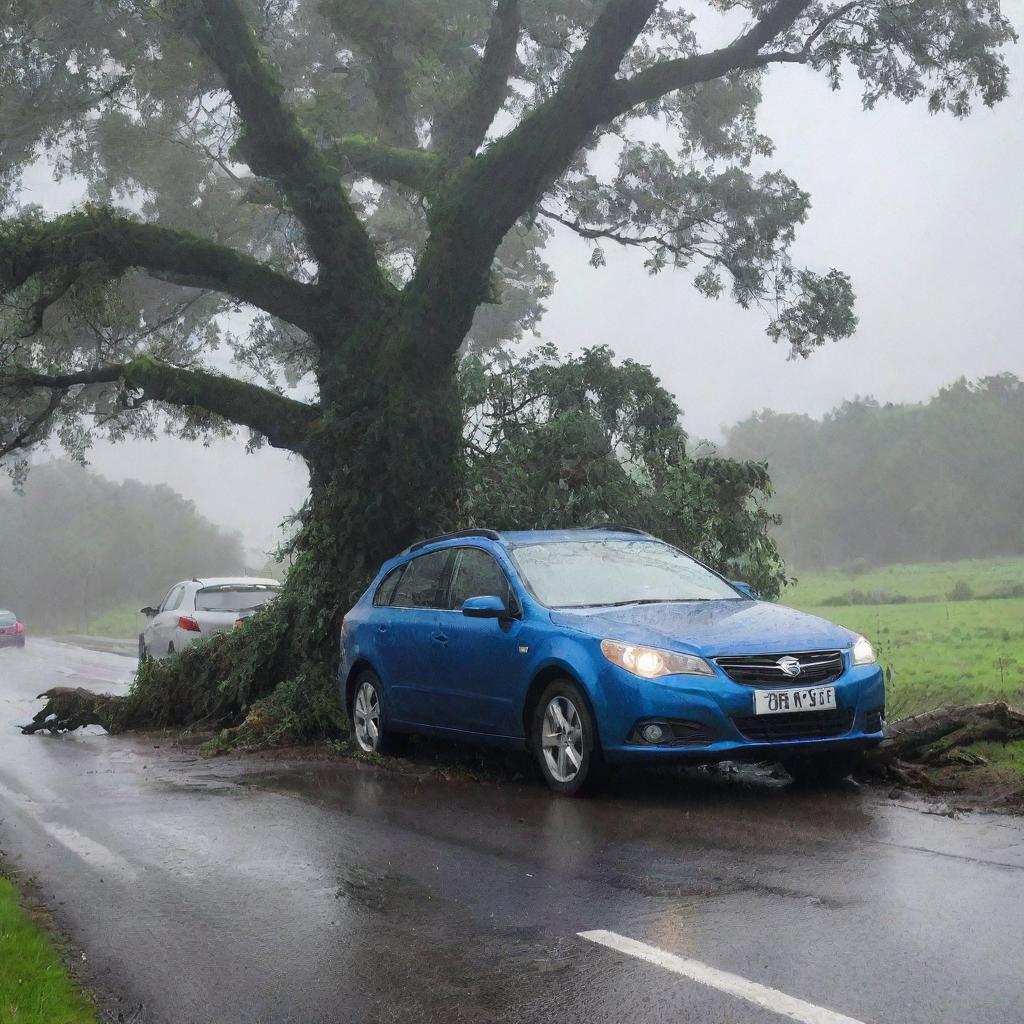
x=652, y=663
x=863, y=653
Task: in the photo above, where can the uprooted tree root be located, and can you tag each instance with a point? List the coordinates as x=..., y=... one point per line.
x=939, y=739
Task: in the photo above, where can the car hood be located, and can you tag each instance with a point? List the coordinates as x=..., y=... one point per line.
x=711, y=628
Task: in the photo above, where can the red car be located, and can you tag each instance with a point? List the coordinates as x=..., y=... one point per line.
x=12, y=632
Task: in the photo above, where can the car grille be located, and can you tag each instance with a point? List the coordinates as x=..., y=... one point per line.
x=804, y=725
x=816, y=667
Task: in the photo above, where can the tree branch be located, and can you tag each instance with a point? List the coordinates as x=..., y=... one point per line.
x=97, y=236
x=484, y=198
x=285, y=422
x=276, y=146
x=370, y=26
x=672, y=75
x=417, y=169
x=460, y=131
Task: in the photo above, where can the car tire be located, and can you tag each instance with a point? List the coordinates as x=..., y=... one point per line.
x=170, y=649
x=823, y=769
x=21, y=643
x=143, y=650
x=564, y=739
x=368, y=719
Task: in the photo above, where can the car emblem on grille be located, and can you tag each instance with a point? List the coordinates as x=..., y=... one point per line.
x=789, y=665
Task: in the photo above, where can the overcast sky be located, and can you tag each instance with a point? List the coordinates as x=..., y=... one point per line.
x=926, y=213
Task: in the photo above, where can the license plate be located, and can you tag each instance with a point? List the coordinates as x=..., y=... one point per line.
x=800, y=698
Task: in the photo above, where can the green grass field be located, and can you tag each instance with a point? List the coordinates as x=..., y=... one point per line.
x=122, y=622
x=35, y=988
x=936, y=651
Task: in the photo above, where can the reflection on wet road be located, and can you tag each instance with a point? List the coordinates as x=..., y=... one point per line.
x=253, y=891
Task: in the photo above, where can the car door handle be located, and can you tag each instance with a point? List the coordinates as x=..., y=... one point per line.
x=440, y=638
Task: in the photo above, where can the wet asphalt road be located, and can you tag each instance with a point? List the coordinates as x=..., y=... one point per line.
x=250, y=891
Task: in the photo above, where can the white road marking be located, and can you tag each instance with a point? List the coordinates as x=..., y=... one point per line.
x=760, y=995
x=94, y=854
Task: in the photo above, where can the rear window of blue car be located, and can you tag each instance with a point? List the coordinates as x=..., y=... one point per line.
x=589, y=573
x=420, y=585
x=386, y=591
x=7, y=619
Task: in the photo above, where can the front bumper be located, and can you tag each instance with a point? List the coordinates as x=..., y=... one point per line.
x=720, y=721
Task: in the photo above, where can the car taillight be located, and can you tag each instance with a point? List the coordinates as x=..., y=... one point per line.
x=187, y=622
x=19, y=628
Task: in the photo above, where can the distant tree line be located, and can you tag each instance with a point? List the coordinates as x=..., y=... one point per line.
x=75, y=545
x=873, y=483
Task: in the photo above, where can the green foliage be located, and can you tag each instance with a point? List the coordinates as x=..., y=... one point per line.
x=937, y=481
x=585, y=440
x=35, y=987
x=75, y=545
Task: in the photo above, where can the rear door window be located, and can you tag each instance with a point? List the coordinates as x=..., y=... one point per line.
x=422, y=582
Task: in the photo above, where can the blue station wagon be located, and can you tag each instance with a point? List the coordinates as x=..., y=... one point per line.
x=597, y=647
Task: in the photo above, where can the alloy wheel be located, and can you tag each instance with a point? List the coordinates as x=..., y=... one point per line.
x=366, y=714
x=562, y=739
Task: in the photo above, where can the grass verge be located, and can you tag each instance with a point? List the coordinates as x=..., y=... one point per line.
x=35, y=986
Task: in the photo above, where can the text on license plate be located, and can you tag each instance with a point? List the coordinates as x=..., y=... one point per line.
x=801, y=698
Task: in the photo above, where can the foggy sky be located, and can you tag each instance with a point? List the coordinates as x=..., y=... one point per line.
x=924, y=212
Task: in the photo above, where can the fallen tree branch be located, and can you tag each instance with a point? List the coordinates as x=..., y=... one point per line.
x=931, y=737
x=68, y=708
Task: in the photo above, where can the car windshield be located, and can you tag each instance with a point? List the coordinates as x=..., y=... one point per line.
x=585, y=573
x=235, y=598
x=7, y=618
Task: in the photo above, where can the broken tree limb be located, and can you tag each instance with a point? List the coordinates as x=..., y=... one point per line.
x=69, y=707
x=932, y=736
x=915, y=746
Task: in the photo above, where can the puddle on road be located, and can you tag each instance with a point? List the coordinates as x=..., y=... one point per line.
x=383, y=892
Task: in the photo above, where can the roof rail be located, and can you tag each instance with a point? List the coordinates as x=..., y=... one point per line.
x=618, y=528
x=487, y=534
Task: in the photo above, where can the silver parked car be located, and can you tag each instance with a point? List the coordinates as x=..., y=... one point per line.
x=196, y=609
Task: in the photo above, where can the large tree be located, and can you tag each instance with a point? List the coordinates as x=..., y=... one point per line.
x=360, y=178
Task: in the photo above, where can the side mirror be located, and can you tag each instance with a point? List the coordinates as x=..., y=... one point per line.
x=489, y=607
x=745, y=588
x=148, y=612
